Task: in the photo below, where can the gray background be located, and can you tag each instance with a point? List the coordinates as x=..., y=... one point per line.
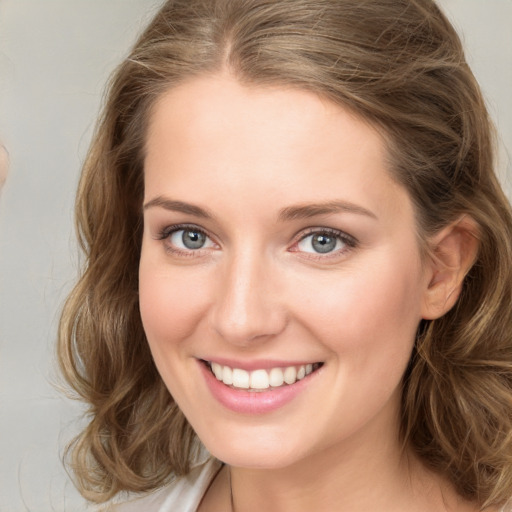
x=55, y=56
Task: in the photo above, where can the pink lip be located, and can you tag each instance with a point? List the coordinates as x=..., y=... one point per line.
x=247, y=402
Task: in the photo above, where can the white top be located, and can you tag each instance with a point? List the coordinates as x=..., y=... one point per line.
x=183, y=494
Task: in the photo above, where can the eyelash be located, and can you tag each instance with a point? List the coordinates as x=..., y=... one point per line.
x=349, y=241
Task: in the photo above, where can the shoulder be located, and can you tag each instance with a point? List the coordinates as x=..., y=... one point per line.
x=184, y=492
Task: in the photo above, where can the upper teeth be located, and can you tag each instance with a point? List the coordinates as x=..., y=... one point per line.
x=260, y=379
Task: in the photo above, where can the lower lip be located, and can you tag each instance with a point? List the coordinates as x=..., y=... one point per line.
x=253, y=402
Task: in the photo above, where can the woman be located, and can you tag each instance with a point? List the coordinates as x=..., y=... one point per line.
x=297, y=253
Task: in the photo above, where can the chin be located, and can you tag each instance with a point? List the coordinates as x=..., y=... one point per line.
x=257, y=450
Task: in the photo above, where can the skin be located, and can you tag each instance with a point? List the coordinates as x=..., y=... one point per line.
x=258, y=291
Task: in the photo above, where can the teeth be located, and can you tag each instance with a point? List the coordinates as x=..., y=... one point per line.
x=276, y=377
x=290, y=375
x=217, y=370
x=240, y=378
x=261, y=379
x=227, y=375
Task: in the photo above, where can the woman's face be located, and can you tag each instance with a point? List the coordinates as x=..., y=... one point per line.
x=276, y=248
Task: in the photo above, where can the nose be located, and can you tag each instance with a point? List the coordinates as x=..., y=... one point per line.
x=247, y=305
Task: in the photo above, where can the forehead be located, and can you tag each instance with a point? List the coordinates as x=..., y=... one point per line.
x=210, y=106
x=283, y=143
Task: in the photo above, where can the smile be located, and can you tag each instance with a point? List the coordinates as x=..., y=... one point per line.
x=261, y=380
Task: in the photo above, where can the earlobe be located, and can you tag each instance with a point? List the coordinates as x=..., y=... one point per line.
x=453, y=252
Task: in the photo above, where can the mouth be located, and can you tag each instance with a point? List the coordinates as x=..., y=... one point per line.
x=262, y=379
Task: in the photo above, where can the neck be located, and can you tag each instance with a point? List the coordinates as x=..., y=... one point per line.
x=328, y=480
x=353, y=476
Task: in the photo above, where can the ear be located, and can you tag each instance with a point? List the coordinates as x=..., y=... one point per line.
x=452, y=253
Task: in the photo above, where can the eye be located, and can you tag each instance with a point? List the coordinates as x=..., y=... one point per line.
x=325, y=242
x=186, y=239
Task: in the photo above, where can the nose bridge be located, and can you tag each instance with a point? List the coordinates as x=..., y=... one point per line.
x=246, y=303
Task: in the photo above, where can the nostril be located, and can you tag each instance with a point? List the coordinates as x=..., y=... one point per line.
x=258, y=326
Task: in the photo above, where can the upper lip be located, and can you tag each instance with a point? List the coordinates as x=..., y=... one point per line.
x=258, y=364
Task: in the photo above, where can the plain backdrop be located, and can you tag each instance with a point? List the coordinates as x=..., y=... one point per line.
x=55, y=56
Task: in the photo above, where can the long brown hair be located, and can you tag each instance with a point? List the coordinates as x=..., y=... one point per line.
x=397, y=63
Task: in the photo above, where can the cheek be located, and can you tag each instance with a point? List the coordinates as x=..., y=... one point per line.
x=172, y=303
x=370, y=311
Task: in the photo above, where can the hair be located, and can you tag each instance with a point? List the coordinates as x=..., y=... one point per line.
x=398, y=64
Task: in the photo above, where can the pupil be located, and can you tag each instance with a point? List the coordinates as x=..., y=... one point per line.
x=193, y=239
x=323, y=243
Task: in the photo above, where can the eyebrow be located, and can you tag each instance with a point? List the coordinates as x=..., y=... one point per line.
x=301, y=211
x=178, y=206
x=312, y=210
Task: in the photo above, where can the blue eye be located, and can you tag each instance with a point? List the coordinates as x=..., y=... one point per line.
x=322, y=242
x=189, y=239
